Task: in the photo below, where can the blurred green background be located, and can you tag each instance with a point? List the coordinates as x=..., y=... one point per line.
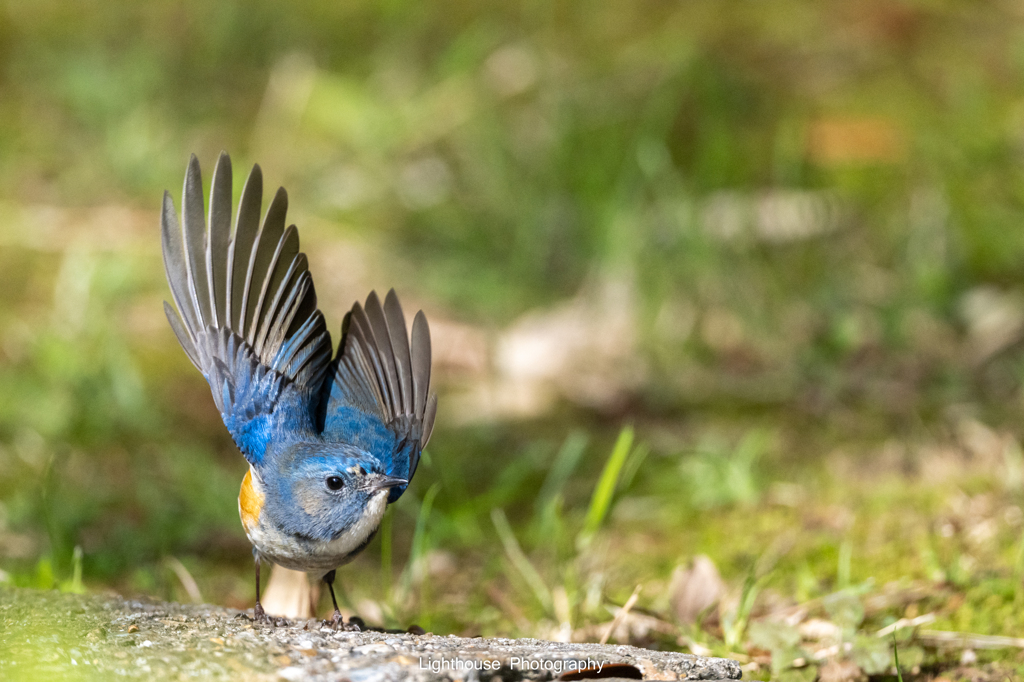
x=780, y=241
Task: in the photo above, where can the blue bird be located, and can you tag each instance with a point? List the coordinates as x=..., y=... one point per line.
x=330, y=441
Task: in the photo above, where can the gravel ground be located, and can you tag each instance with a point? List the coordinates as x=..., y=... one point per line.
x=48, y=635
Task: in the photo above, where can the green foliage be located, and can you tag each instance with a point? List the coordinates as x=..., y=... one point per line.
x=717, y=475
x=781, y=640
x=601, y=500
x=845, y=610
x=734, y=624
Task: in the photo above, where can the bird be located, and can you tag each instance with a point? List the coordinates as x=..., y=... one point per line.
x=330, y=441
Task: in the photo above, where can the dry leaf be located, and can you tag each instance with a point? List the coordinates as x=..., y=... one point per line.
x=841, y=671
x=696, y=589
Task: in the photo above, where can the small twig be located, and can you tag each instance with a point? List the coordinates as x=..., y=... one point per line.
x=621, y=615
x=510, y=608
x=968, y=640
x=906, y=623
x=832, y=651
x=187, y=581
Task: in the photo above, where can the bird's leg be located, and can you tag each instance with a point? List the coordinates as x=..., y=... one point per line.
x=336, y=619
x=260, y=616
x=329, y=579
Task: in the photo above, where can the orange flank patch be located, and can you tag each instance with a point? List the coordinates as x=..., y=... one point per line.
x=250, y=502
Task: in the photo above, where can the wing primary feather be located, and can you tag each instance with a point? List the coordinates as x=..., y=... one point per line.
x=290, y=350
x=194, y=228
x=260, y=259
x=363, y=334
x=400, y=347
x=219, y=226
x=247, y=225
x=187, y=344
x=306, y=307
x=174, y=265
x=362, y=348
x=302, y=357
x=293, y=288
x=285, y=251
x=359, y=376
x=382, y=342
x=353, y=371
x=428, y=420
x=420, y=363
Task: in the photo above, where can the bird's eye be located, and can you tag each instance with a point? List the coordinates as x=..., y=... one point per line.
x=335, y=482
x=362, y=470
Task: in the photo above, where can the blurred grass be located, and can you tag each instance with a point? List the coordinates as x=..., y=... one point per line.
x=816, y=209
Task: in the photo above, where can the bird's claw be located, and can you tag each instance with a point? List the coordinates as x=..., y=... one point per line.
x=337, y=622
x=260, y=616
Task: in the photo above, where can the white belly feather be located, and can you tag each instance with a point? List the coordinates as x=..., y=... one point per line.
x=301, y=554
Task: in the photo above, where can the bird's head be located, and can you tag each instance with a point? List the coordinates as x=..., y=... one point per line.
x=324, y=492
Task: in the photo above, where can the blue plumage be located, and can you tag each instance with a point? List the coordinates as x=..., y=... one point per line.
x=330, y=442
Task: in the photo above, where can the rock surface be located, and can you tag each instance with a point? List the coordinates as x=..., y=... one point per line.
x=48, y=635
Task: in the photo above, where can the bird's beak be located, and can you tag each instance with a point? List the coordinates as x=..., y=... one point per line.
x=383, y=483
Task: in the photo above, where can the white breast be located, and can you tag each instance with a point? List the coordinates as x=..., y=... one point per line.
x=355, y=536
x=317, y=557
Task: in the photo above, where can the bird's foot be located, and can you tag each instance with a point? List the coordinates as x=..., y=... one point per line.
x=337, y=622
x=260, y=616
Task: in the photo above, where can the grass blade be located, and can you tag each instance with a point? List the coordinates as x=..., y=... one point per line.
x=565, y=463
x=419, y=539
x=519, y=560
x=385, y=553
x=896, y=658
x=601, y=500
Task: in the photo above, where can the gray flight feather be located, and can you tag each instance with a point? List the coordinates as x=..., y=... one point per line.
x=183, y=337
x=282, y=309
x=194, y=228
x=382, y=341
x=260, y=259
x=420, y=363
x=218, y=239
x=284, y=255
x=174, y=265
x=400, y=347
x=383, y=373
x=428, y=419
x=247, y=224
x=254, y=285
x=362, y=332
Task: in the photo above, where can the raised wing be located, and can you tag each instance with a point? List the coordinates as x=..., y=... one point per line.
x=379, y=387
x=246, y=309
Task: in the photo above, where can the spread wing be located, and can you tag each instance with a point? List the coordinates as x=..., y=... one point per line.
x=379, y=387
x=246, y=309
